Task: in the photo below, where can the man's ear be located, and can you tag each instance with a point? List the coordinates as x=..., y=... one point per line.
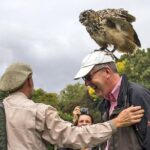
x=108, y=72
x=29, y=81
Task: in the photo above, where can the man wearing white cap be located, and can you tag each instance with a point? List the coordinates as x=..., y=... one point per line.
x=31, y=125
x=99, y=71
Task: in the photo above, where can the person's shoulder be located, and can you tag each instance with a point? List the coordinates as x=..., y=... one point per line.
x=137, y=88
x=138, y=94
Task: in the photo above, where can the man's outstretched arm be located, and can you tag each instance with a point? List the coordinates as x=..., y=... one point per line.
x=61, y=133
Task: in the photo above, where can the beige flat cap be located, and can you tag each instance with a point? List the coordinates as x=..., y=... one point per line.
x=14, y=76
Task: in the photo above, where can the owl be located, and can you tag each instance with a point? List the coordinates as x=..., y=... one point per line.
x=111, y=27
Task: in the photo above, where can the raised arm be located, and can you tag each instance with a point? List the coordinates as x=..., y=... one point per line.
x=61, y=133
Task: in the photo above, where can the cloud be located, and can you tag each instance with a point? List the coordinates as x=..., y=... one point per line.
x=48, y=36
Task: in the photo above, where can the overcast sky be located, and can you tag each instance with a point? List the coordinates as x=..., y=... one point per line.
x=47, y=35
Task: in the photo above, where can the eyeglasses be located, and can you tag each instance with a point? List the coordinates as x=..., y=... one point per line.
x=88, y=77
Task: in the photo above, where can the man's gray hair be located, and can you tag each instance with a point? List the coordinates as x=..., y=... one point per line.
x=111, y=65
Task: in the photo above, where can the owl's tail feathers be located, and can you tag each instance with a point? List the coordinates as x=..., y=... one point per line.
x=129, y=47
x=136, y=39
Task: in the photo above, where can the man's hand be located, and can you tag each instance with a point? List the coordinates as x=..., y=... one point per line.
x=129, y=116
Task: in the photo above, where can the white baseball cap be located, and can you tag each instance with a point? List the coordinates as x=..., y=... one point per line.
x=92, y=59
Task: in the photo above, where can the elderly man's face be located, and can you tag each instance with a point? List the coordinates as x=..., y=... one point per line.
x=99, y=80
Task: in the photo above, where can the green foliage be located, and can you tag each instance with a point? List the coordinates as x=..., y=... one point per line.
x=72, y=92
x=137, y=67
x=50, y=147
x=40, y=96
x=66, y=116
x=71, y=96
x=77, y=95
x=3, y=95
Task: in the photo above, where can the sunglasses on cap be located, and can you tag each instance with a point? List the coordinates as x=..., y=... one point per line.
x=88, y=77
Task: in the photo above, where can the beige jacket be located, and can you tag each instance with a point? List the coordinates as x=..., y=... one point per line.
x=30, y=124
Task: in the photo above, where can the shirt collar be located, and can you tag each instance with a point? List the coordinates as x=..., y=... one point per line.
x=113, y=95
x=19, y=94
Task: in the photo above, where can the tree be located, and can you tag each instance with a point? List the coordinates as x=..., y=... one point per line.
x=40, y=96
x=137, y=67
x=70, y=97
x=77, y=95
x=3, y=95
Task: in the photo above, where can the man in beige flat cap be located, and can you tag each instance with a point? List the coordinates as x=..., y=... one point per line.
x=31, y=125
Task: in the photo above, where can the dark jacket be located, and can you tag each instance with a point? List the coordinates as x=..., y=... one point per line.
x=136, y=137
x=3, y=133
x=94, y=148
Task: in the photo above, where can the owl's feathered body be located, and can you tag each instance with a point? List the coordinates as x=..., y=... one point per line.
x=111, y=27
